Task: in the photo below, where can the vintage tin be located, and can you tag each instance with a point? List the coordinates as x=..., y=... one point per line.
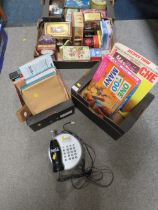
x=77, y=26
x=92, y=20
x=98, y=4
x=88, y=42
x=76, y=53
x=58, y=30
x=68, y=14
x=92, y=16
x=102, y=12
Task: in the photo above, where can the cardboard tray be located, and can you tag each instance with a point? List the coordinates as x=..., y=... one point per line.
x=49, y=116
x=113, y=129
x=63, y=64
x=58, y=18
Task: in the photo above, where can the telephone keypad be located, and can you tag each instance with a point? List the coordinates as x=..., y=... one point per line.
x=69, y=152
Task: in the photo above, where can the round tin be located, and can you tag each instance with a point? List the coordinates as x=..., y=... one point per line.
x=98, y=4
x=88, y=42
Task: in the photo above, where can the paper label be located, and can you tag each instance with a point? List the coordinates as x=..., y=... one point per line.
x=75, y=88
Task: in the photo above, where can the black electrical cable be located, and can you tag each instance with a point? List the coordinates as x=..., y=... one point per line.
x=90, y=174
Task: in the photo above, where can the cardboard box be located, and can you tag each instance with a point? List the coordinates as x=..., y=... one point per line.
x=114, y=129
x=44, y=118
x=44, y=94
x=46, y=17
x=63, y=64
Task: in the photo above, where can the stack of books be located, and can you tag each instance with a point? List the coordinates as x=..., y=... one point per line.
x=40, y=86
x=37, y=70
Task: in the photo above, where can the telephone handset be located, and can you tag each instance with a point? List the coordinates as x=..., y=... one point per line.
x=55, y=155
x=65, y=151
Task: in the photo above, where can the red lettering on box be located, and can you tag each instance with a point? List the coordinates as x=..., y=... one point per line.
x=150, y=76
x=145, y=60
x=134, y=53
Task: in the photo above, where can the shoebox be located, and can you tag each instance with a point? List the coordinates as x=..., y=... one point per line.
x=117, y=126
x=44, y=118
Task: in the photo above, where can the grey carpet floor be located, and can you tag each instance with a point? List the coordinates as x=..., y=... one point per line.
x=26, y=178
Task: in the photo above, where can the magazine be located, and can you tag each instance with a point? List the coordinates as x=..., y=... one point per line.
x=142, y=67
x=111, y=87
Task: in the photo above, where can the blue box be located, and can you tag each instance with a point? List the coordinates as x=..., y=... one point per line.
x=3, y=44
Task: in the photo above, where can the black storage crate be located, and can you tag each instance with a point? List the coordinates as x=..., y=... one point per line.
x=113, y=129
